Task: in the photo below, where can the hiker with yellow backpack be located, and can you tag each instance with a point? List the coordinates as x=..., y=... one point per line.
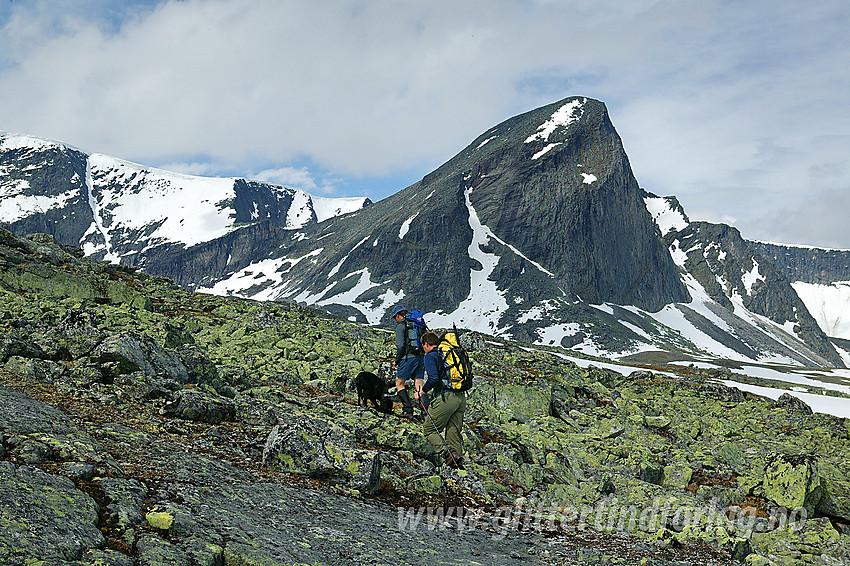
x=448, y=376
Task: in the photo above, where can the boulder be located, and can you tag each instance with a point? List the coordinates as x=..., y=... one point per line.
x=155, y=551
x=316, y=448
x=502, y=402
x=32, y=504
x=98, y=557
x=812, y=541
x=197, y=405
x=127, y=501
x=792, y=403
x=33, y=368
x=677, y=475
x=791, y=480
x=198, y=366
x=127, y=352
x=13, y=344
x=836, y=489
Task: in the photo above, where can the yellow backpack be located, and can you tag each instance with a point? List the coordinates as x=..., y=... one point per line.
x=458, y=370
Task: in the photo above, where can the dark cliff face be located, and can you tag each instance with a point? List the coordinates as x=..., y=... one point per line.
x=577, y=208
x=810, y=265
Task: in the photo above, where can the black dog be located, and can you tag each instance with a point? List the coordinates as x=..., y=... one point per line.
x=370, y=387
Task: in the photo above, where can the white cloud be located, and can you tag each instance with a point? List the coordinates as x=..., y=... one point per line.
x=734, y=107
x=199, y=168
x=299, y=178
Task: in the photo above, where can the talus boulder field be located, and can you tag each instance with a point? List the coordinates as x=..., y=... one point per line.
x=160, y=426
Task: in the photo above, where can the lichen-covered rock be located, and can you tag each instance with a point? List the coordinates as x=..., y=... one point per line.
x=677, y=475
x=33, y=452
x=13, y=344
x=131, y=352
x=197, y=405
x=835, y=481
x=107, y=557
x=160, y=520
x=320, y=449
x=34, y=368
x=659, y=421
x=155, y=551
x=121, y=293
x=810, y=541
x=199, y=367
x=126, y=501
x=790, y=402
x=792, y=481
x=43, y=516
x=501, y=402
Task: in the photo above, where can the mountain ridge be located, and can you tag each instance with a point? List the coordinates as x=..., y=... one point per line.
x=118, y=209
x=537, y=230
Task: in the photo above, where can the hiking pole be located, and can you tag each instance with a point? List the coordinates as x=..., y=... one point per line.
x=449, y=450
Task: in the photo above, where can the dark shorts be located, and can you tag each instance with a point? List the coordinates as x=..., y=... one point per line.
x=411, y=367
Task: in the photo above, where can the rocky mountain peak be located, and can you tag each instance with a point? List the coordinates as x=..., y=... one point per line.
x=542, y=206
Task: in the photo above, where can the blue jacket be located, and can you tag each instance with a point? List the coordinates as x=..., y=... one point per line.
x=435, y=370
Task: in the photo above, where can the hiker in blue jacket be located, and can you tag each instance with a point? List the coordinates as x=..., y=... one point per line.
x=446, y=408
x=408, y=361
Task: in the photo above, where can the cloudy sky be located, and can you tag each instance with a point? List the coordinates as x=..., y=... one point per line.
x=740, y=108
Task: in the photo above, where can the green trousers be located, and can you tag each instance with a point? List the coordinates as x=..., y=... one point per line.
x=446, y=410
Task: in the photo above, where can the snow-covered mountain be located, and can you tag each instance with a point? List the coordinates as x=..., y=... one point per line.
x=743, y=305
x=537, y=231
x=121, y=211
x=821, y=277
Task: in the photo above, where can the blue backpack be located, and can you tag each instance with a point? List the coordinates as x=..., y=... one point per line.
x=415, y=327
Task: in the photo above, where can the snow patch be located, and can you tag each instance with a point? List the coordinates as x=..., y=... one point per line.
x=588, y=179
x=829, y=304
x=545, y=150
x=15, y=206
x=666, y=218
x=405, y=227
x=845, y=354
x=485, y=141
x=679, y=256
x=838, y=406
x=373, y=311
x=268, y=272
x=534, y=313
x=484, y=305
x=561, y=118
x=13, y=142
x=606, y=308
x=329, y=207
x=749, y=278
x=552, y=335
x=300, y=211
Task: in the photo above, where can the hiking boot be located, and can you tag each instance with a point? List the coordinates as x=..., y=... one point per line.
x=406, y=403
x=408, y=416
x=454, y=460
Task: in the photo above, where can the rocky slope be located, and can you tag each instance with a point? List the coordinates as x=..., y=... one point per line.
x=144, y=424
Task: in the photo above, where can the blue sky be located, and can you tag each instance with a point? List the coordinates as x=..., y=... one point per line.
x=739, y=108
